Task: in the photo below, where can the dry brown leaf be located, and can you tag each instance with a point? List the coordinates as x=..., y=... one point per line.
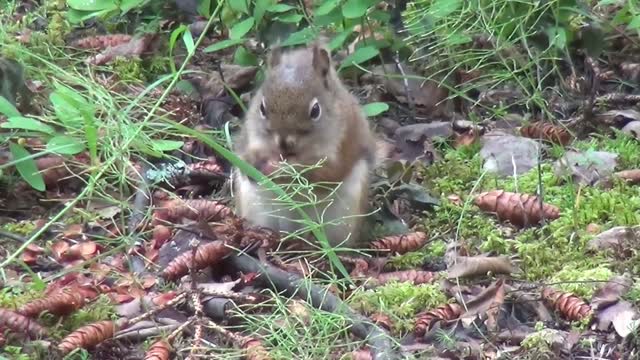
x=84, y=250
x=519, y=209
x=133, y=48
x=401, y=243
x=414, y=276
x=467, y=266
x=566, y=304
x=611, y=292
x=382, y=320
x=547, y=132
x=89, y=336
x=101, y=42
x=21, y=324
x=197, y=210
x=159, y=350
x=59, y=248
x=235, y=232
x=487, y=303
x=425, y=320
x=206, y=255
x=31, y=253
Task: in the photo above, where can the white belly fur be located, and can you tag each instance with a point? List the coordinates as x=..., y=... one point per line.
x=341, y=209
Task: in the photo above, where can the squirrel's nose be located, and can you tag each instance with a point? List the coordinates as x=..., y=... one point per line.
x=286, y=145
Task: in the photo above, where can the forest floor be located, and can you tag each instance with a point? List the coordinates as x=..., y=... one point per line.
x=506, y=217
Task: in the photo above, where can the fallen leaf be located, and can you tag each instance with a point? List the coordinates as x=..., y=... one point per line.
x=611, y=292
x=486, y=303
x=615, y=238
x=480, y=265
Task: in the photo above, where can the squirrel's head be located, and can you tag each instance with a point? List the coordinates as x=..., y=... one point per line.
x=295, y=105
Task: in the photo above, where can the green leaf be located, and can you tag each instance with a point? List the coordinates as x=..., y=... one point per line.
x=337, y=41
x=280, y=8
x=239, y=6
x=7, y=108
x=300, y=37
x=259, y=9
x=25, y=123
x=127, y=5
x=69, y=106
x=243, y=57
x=241, y=29
x=354, y=9
x=376, y=108
x=326, y=7
x=77, y=16
x=65, y=145
x=634, y=23
x=359, y=56
x=223, y=45
x=166, y=145
x=188, y=41
x=290, y=18
x=26, y=166
x=442, y=8
x=92, y=5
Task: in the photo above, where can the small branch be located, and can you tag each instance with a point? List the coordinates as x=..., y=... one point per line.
x=379, y=340
x=156, y=310
x=13, y=236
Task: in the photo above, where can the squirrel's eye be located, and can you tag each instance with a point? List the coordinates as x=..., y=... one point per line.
x=315, y=111
x=263, y=110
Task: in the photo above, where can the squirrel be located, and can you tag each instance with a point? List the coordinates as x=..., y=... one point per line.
x=303, y=114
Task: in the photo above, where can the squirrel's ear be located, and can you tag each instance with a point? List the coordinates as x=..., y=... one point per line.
x=274, y=57
x=321, y=59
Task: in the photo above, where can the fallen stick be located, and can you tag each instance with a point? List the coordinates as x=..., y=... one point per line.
x=378, y=339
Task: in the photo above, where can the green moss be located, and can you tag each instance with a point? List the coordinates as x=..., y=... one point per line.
x=579, y=280
x=129, y=70
x=402, y=300
x=21, y=228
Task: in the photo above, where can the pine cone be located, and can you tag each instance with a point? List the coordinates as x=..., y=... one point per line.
x=426, y=319
x=631, y=176
x=101, y=42
x=520, y=209
x=21, y=324
x=159, y=350
x=197, y=210
x=63, y=303
x=255, y=350
x=206, y=255
x=566, y=304
x=547, y=132
x=88, y=336
x=401, y=243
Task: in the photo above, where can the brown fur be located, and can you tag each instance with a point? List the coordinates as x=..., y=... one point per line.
x=341, y=136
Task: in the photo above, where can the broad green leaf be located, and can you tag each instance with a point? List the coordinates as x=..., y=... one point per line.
x=326, y=7
x=65, y=145
x=166, y=145
x=442, y=8
x=93, y=5
x=77, y=16
x=188, y=41
x=25, y=123
x=244, y=57
x=241, y=29
x=7, y=108
x=354, y=9
x=70, y=106
x=239, y=6
x=359, y=56
x=634, y=23
x=127, y=5
x=290, y=18
x=280, y=8
x=204, y=8
x=300, y=37
x=259, y=9
x=337, y=41
x=376, y=108
x=223, y=45
x=27, y=167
